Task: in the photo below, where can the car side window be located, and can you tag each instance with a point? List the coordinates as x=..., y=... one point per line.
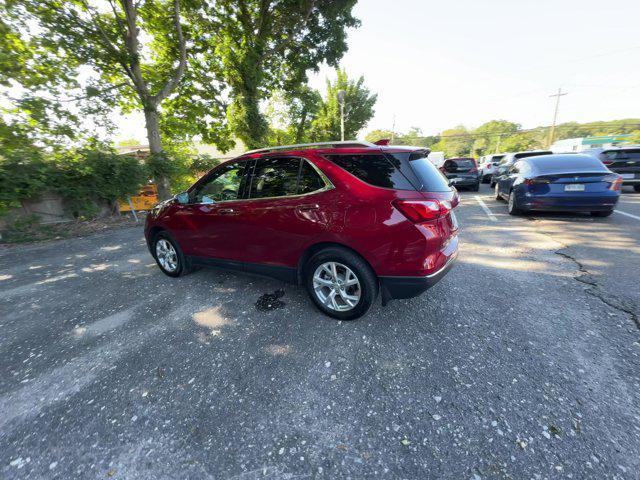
x=224, y=184
x=515, y=168
x=309, y=180
x=274, y=177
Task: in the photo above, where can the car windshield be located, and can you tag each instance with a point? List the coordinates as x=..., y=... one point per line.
x=459, y=165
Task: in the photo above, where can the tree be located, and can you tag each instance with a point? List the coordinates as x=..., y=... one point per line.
x=455, y=142
x=375, y=135
x=359, y=103
x=109, y=41
x=263, y=45
x=489, y=136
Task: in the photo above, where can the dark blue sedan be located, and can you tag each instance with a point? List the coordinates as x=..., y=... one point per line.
x=560, y=183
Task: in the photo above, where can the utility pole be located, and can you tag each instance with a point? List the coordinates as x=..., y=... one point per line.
x=555, y=115
x=393, y=129
x=498, y=143
x=341, y=96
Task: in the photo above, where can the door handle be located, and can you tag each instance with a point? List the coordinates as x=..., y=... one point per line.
x=306, y=208
x=226, y=211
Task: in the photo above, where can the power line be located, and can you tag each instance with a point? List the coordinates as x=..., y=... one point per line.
x=528, y=130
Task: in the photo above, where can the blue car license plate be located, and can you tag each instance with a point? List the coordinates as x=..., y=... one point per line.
x=574, y=187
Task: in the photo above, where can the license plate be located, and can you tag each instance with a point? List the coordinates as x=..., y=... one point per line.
x=627, y=175
x=574, y=187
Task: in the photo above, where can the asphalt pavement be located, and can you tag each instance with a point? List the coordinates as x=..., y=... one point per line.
x=524, y=362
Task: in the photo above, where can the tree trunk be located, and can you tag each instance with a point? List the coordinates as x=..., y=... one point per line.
x=155, y=147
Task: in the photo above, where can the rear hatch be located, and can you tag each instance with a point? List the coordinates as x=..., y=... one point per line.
x=583, y=183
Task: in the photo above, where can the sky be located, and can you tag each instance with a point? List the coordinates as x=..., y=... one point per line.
x=435, y=65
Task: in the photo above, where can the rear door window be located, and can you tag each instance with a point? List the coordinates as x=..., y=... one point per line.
x=309, y=181
x=274, y=177
x=374, y=169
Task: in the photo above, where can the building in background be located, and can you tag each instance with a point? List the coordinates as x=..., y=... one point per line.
x=588, y=143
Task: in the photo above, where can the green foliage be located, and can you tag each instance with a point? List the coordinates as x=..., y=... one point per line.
x=415, y=137
x=23, y=175
x=88, y=178
x=455, y=142
x=359, y=103
x=261, y=45
x=375, y=135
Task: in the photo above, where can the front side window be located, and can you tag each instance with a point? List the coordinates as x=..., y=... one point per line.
x=274, y=177
x=224, y=184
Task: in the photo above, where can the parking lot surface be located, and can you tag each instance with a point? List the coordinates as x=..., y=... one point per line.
x=524, y=362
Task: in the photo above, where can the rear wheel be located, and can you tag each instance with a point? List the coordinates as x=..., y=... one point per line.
x=340, y=283
x=513, y=204
x=497, y=191
x=606, y=213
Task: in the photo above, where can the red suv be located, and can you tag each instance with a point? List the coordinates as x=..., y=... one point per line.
x=345, y=219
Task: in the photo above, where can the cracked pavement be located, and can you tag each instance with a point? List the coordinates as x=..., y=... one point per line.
x=524, y=362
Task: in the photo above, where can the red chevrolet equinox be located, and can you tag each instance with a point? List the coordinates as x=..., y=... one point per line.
x=344, y=219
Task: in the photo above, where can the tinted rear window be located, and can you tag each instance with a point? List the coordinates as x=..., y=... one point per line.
x=423, y=174
x=374, y=169
x=567, y=163
x=621, y=154
x=459, y=165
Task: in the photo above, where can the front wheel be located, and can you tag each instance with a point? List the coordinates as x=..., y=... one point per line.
x=606, y=213
x=168, y=255
x=513, y=204
x=340, y=283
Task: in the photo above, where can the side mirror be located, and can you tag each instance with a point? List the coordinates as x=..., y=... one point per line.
x=182, y=198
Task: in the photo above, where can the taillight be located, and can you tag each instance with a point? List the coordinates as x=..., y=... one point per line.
x=536, y=181
x=423, y=210
x=607, y=162
x=615, y=181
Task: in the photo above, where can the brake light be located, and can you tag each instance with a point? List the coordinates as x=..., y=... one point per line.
x=607, y=162
x=616, y=182
x=422, y=210
x=536, y=181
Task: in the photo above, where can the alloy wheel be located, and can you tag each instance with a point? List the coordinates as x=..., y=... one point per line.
x=166, y=255
x=336, y=286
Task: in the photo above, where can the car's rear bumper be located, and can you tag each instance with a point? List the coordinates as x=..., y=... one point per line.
x=570, y=204
x=408, y=286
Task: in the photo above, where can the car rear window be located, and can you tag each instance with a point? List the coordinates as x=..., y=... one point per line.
x=567, y=164
x=459, y=165
x=374, y=169
x=621, y=154
x=421, y=171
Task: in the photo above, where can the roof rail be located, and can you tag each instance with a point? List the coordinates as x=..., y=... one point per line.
x=342, y=144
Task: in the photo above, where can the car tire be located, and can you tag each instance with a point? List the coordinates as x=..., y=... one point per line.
x=512, y=204
x=497, y=191
x=168, y=255
x=606, y=213
x=636, y=188
x=492, y=184
x=476, y=187
x=342, y=258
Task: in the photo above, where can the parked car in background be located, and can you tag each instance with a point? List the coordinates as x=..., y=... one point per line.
x=512, y=157
x=624, y=161
x=487, y=166
x=344, y=219
x=562, y=182
x=462, y=172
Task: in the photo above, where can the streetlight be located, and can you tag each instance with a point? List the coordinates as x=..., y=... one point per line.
x=341, y=97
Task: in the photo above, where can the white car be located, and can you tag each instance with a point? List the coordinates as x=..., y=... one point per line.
x=487, y=166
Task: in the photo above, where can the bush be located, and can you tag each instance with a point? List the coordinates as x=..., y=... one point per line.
x=23, y=175
x=89, y=178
